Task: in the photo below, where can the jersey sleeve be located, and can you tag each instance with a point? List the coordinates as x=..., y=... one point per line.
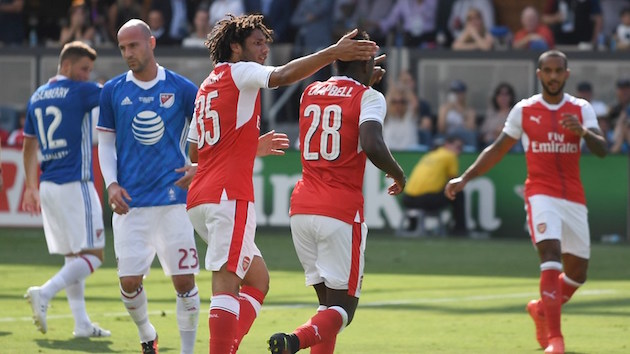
x=106, y=117
x=251, y=75
x=514, y=122
x=589, y=118
x=193, y=134
x=91, y=92
x=373, y=106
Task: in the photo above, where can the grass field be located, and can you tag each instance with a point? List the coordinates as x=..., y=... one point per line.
x=419, y=296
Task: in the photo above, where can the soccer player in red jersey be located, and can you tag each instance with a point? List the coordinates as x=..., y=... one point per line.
x=340, y=125
x=226, y=128
x=551, y=126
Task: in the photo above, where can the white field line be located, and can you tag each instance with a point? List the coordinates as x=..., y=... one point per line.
x=489, y=297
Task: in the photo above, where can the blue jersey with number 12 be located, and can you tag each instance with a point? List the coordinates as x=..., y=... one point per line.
x=58, y=115
x=151, y=122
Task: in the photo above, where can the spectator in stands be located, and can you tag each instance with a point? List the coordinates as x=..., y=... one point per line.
x=159, y=30
x=621, y=134
x=220, y=8
x=455, y=117
x=371, y=12
x=17, y=136
x=313, y=21
x=584, y=90
x=426, y=127
x=120, y=12
x=97, y=16
x=533, y=34
x=278, y=16
x=201, y=26
x=459, y=12
x=610, y=15
x=425, y=186
x=175, y=14
x=11, y=22
x=346, y=17
x=4, y=136
x=622, y=93
x=417, y=19
x=502, y=100
x=622, y=33
x=574, y=21
x=475, y=35
x=78, y=27
x=400, y=129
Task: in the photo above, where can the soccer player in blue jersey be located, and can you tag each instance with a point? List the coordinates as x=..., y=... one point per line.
x=143, y=124
x=58, y=122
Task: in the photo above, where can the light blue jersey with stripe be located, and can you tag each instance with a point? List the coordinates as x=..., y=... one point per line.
x=151, y=122
x=58, y=115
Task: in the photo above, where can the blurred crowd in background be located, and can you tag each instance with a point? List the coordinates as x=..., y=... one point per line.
x=308, y=25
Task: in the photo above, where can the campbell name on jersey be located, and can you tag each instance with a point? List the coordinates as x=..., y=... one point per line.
x=151, y=121
x=58, y=115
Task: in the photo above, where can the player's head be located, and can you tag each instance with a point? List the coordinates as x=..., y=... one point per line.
x=553, y=72
x=239, y=38
x=360, y=70
x=76, y=61
x=136, y=44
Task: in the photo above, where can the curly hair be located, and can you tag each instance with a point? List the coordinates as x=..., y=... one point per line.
x=233, y=29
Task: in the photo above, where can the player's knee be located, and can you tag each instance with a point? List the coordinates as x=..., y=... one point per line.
x=130, y=284
x=183, y=283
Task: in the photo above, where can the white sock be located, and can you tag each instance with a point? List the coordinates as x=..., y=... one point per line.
x=76, y=300
x=74, y=270
x=137, y=306
x=188, y=318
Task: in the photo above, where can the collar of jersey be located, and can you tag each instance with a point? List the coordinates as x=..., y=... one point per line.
x=161, y=75
x=553, y=107
x=58, y=77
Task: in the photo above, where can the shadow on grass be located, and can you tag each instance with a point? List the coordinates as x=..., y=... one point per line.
x=82, y=345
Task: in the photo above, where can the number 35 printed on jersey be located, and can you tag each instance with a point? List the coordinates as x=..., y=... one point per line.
x=330, y=139
x=203, y=111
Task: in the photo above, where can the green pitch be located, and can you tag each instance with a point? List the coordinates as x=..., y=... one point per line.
x=419, y=296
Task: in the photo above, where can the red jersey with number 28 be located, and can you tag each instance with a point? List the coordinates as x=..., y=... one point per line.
x=551, y=151
x=225, y=127
x=333, y=163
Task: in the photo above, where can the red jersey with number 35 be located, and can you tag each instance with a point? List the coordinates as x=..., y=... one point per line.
x=225, y=127
x=333, y=163
x=551, y=151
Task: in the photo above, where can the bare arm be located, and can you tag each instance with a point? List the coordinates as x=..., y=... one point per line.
x=345, y=49
x=371, y=138
x=593, y=137
x=30, y=202
x=489, y=157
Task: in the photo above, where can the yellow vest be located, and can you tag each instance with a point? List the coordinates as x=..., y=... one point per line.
x=432, y=172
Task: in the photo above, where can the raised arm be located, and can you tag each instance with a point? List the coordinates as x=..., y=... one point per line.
x=489, y=157
x=345, y=49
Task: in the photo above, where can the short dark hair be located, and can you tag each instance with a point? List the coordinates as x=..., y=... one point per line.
x=76, y=50
x=233, y=29
x=343, y=66
x=553, y=53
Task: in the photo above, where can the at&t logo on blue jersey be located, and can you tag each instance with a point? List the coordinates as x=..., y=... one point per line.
x=147, y=127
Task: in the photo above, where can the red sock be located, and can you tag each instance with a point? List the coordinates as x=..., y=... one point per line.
x=551, y=300
x=327, y=347
x=567, y=287
x=322, y=327
x=223, y=323
x=251, y=300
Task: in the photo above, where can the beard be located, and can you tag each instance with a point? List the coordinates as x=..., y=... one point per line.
x=551, y=92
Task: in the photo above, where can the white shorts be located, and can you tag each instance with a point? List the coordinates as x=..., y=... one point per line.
x=331, y=251
x=552, y=218
x=72, y=216
x=163, y=230
x=229, y=229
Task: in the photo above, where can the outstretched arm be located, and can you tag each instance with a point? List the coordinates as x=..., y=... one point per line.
x=489, y=157
x=371, y=137
x=346, y=49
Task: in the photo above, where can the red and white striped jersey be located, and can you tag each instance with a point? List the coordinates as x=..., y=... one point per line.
x=226, y=126
x=333, y=163
x=551, y=151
